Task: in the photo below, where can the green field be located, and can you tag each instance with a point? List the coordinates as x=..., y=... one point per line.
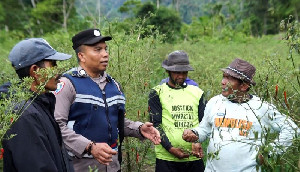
x=213, y=33
x=136, y=64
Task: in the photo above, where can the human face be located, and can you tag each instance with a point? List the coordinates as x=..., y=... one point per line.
x=94, y=58
x=177, y=78
x=41, y=78
x=230, y=86
x=52, y=83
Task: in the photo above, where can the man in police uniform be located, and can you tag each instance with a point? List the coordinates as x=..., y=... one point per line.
x=175, y=106
x=90, y=108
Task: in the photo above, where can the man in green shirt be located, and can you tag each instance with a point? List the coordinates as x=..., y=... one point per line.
x=175, y=106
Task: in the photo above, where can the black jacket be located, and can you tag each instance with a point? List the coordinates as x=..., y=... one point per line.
x=37, y=145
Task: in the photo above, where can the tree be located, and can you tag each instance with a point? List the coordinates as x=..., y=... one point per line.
x=33, y=18
x=2, y=13
x=67, y=8
x=130, y=7
x=266, y=14
x=52, y=14
x=15, y=15
x=145, y=9
x=166, y=20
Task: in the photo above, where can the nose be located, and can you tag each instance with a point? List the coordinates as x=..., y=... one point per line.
x=224, y=81
x=181, y=75
x=105, y=54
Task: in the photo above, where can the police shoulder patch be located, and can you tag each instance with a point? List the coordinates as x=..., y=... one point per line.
x=60, y=86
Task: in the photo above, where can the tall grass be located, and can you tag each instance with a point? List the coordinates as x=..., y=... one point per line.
x=136, y=64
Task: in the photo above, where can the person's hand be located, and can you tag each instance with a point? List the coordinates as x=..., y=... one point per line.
x=197, y=150
x=150, y=132
x=189, y=136
x=103, y=153
x=178, y=152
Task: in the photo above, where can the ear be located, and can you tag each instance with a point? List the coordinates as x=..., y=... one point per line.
x=32, y=71
x=81, y=56
x=244, y=87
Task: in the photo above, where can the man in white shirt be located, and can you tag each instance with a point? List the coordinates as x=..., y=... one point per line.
x=237, y=124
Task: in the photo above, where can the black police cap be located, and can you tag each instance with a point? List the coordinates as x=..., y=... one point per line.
x=88, y=37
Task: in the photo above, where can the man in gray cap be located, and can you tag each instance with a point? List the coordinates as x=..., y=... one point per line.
x=236, y=123
x=37, y=144
x=90, y=108
x=173, y=107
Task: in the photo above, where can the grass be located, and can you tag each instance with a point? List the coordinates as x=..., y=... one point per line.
x=136, y=64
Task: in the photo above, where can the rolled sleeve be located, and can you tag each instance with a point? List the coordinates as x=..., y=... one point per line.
x=131, y=129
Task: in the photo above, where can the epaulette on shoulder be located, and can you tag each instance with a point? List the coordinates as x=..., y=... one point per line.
x=74, y=73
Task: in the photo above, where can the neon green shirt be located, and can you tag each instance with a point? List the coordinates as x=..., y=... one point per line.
x=179, y=112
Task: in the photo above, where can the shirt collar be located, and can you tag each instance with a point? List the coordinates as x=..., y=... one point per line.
x=102, y=78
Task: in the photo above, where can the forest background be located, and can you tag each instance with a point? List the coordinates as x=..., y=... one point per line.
x=213, y=33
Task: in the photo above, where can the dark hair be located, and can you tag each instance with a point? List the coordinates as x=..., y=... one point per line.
x=242, y=82
x=77, y=50
x=25, y=71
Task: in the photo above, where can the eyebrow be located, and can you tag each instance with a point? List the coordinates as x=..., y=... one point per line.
x=98, y=46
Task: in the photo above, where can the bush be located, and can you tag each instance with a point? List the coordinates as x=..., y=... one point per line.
x=135, y=62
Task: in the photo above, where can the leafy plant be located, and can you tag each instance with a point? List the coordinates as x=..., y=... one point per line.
x=132, y=63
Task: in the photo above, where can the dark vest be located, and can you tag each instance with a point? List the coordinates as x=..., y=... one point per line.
x=95, y=113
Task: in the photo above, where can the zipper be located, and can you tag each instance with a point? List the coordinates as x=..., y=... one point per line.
x=107, y=118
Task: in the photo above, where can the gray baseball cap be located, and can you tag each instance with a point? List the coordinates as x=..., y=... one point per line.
x=29, y=51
